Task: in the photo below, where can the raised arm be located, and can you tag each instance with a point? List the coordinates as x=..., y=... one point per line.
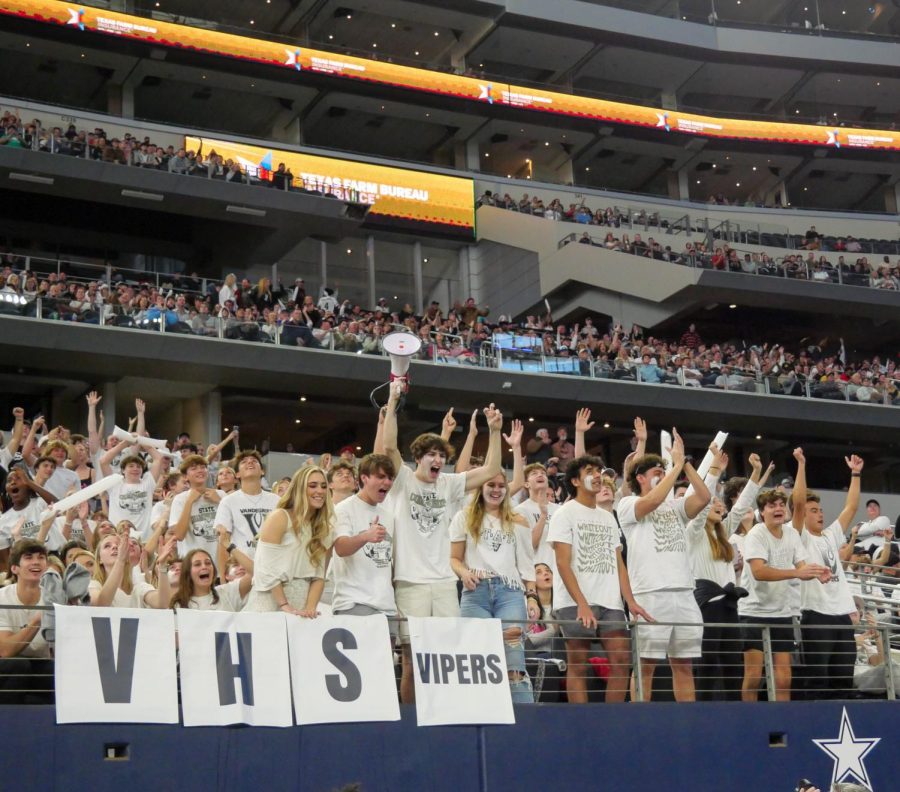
x=493, y=460
x=583, y=424
x=104, y=597
x=18, y=430
x=212, y=452
x=183, y=522
x=109, y=456
x=514, y=439
x=378, y=448
x=162, y=596
x=448, y=425
x=640, y=435
x=28, y=453
x=141, y=410
x=390, y=424
x=798, y=496
x=464, y=460
x=694, y=503
x=851, y=504
x=95, y=440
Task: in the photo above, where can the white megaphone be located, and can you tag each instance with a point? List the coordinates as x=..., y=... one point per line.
x=401, y=347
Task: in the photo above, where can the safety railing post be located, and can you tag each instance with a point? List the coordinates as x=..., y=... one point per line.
x=769, y=663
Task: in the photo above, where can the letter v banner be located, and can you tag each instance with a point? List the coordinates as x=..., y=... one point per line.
x=343, y=669
x=234, y=668
x=460, y=671
x=115, y=665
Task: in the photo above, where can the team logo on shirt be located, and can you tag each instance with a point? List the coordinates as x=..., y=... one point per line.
x=427, y=510
x=254, y=518
x=668, y=534
x=495, y=538
x=596, y=550
x=203, y=523
x=380, y=553
x=133, y=502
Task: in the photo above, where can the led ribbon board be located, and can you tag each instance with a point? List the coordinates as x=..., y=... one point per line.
x=409, y=198
x=303, y=59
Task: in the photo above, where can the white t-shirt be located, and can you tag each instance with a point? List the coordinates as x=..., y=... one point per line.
x=657, y=546
x=62, y=481
x=770, y=599
x=242, y=516
x=229, y=599
x=866, y=534
x=364, y=577
x=498, y=553
x=594, y=536
x=202, y=530
x=122, y=600
x=12, y=620
x=133, y=502
x=422, y=514
x=532, y=512
x=31, y=528
x=833, y=598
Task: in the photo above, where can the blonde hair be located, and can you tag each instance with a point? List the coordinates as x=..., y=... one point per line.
x=475, y=513
x=295, y=502
x=99, y=573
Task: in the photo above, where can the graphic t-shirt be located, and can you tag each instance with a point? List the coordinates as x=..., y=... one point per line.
x=498, y=552
x=594, y=537
x=658, y=557
x=133, y=502
x=242, y=516
x=32, y=527
x=422, y=514
x=364, y=577
x=532, y=512
x=202, y=529
x=833, y=598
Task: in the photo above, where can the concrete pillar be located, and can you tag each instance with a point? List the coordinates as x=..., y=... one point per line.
x=892, y=198
x=417, y=277
x=462, y=287
x=473, y=154
x=120, y=99
x=679, y=187
x=323, y=262
x=565, y=173
x=213, y=417
x=668, y=100
x=108, y=405
x=370, y=265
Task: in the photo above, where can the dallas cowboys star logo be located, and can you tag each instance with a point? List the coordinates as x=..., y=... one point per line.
x=848, y=752
x=293, y=59
x=76, y=17
x=662, y=120
x=486, y=92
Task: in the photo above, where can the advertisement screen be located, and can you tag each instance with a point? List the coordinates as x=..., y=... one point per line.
x=399, y=197
x=303, y=60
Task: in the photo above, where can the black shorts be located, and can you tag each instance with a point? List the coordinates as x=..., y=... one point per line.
x=782, y=633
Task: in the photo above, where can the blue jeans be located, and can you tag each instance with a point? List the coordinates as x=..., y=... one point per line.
x=492, y=599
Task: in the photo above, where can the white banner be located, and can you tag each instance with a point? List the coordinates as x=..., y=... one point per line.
x=115, y=665
x=343, y=669
x=234, y=668
x=460, y=671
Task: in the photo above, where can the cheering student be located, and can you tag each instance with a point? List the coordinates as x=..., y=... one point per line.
x=425, y=585
x=197, y=588
x=827, y=608
x=193, y=512
x=132, y=498
x=659, y=568
x=113, y=584
x=293, y=548
x=773, y=556
x=719, y=674
x=538, y=511
x=25, y=667
x=241, y=513
x=364, y=545
x=490, y=552
x=591, y=581
x=28, y=501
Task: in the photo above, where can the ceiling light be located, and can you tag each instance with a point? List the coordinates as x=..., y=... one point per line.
x=393, y=24
x=698, y=181
x=714, y=164
x=416, y=52
x=330, y=37
x=759, y=437
x=487, y=154
x=754, y=167
x=606, y=426
x=436, y=33
x=737, y=184
x=296, y=420
x=546, y=142
x=732, y=306
x=349, y=16
x=359, y=448
x=531, y=420
x=252, y=22
x=303, y=398
x=425, y=260
x=349, y=251
x=587, y=167
x=797, y=112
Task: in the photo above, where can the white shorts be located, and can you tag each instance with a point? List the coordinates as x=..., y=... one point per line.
x=424, y=599
x=659, y=641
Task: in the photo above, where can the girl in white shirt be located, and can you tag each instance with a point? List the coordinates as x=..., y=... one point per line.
x=197, y=589
x=491, y=553
x=294, y=548
x=113, y=584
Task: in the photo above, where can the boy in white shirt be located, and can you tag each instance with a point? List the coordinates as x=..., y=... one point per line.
x=659, y=566
x=591, y=583
x=364, y=545
x=425, y=584
x=193, y=514
x=132, y=499
x=773, y=556
x=538, y=511
x=829, y=651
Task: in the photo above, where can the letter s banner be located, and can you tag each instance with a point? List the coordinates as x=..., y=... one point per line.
x=343, y=669
x=454, y=688
x=115, y=665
